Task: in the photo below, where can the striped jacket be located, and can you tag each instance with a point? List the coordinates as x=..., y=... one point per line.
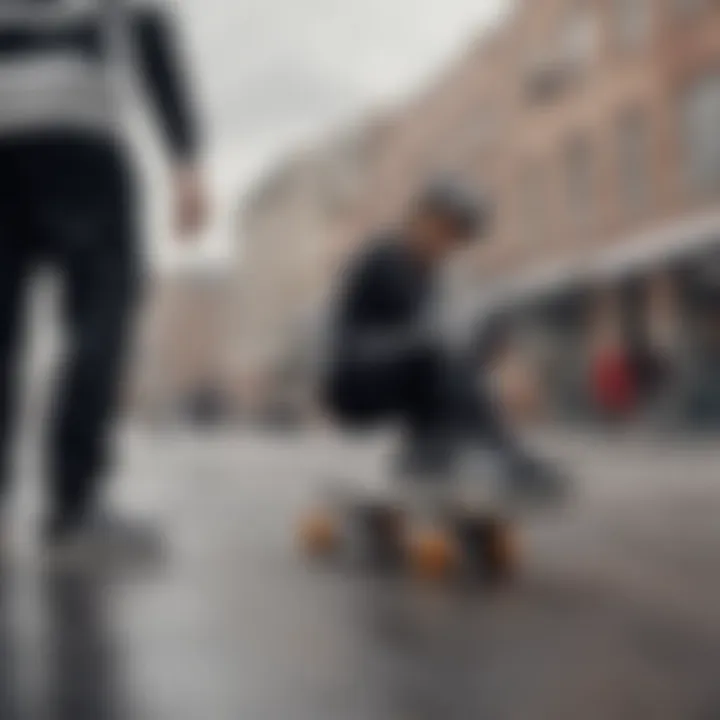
x=62, y=65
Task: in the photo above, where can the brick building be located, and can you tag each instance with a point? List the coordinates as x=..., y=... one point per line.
x=580, y=117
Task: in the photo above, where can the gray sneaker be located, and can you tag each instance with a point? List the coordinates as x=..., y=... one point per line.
x=537, y=482
x=103, y=541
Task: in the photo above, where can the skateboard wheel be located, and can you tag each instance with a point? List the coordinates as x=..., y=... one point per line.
x=319, y=534
x=433, y=555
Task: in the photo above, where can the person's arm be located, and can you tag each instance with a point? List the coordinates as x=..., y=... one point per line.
x=165, y=79
x=160, y=66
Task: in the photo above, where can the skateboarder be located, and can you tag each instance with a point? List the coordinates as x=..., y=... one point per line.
x=67, y=200
x=388, y=361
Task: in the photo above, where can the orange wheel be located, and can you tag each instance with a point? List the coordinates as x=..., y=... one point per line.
x=433, y=554
x=319, y=534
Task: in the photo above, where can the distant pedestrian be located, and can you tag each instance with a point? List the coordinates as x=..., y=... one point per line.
x=614, y=383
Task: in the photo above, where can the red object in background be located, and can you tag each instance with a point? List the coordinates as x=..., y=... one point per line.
x=614, y=383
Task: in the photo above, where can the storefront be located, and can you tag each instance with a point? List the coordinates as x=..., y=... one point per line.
x=656, y=301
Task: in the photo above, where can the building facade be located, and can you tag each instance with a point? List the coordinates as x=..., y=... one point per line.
x=592, y=125
x=588, y=121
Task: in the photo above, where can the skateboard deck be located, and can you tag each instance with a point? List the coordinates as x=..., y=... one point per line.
x=433, y=526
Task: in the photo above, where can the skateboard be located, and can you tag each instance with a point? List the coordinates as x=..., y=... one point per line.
x=435, y=528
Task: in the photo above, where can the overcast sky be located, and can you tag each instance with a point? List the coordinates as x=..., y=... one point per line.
x=271, y=73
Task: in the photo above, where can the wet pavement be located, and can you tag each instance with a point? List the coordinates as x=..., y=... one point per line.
x=616, y=613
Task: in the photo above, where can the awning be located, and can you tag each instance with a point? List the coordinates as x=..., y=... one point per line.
x=552, y=278
x=676, y=241
x=670, y=243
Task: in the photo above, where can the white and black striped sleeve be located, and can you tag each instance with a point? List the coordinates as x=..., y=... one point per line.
x=160, y=65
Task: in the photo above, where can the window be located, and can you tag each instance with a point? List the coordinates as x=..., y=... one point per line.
x=700, y=120
x=565, y=55
x=687, y=7
x=578, y=41
x=548, y=80
x=487, y=124
x=633, y=20
x=633, y=148
x=533, y=205
x=580, y=185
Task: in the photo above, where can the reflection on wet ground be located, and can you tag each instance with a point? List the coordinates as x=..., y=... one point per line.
x=617, y=614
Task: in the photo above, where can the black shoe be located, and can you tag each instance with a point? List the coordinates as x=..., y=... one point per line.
x=426, y=456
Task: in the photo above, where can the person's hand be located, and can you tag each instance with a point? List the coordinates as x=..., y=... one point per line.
x=190, y=201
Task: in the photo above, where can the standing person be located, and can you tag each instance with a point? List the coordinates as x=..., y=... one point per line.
x=67, y=199
x=614, y=383
x=388, y=359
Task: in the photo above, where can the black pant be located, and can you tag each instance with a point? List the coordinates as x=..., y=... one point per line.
x=427, y=391
x=66, y=201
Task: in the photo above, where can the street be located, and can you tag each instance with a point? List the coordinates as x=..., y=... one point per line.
x=616, y=613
